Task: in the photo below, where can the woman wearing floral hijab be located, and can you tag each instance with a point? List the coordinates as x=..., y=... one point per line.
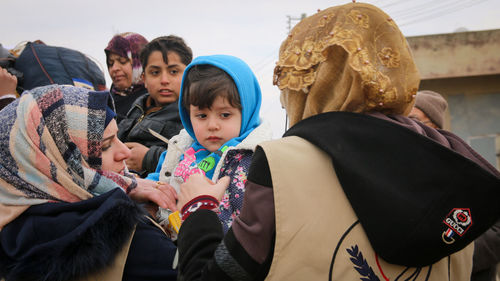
x=354, y=190
x=64, y=209
x=124, y=67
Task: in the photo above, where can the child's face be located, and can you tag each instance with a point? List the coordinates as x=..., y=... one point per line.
x=163, y=81
x=215, y=126
x=120, y=71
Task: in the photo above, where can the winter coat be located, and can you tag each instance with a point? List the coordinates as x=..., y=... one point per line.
x=67, y=241
x=123, y=103
x=135, y=128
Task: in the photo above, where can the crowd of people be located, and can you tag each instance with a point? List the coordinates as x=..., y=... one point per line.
x=172, y=174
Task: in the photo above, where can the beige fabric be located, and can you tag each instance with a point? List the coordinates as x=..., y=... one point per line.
x=10, y=213
x=346, y=58
x=312, y=216
x=498, y=272
x=115, y=271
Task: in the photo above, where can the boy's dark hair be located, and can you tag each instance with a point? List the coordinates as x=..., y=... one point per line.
x=166, y=44
x=204, y=82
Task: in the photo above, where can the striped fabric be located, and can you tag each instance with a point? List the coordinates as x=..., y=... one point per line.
x=50, y=148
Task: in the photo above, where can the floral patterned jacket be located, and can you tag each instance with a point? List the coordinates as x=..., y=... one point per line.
x=234, y=163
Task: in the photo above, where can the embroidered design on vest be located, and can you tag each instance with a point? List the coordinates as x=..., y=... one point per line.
x=361, y=265
x=365, y=270
x=458, y=221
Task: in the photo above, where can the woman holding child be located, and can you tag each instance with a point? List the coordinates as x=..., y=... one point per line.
x=355, y=189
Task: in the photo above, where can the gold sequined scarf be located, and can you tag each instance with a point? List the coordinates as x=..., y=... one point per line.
x=346, y=58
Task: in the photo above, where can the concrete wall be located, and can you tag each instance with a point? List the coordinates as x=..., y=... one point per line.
x=465, y=68
x=461, y=54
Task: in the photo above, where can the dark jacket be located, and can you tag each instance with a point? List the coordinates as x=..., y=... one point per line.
x=4, y=101
x=399, y=165
x=124, y=103
x=134, y=128
x=487, y=255
x=69, y=241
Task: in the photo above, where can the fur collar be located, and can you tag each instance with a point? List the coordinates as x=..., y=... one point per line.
x=67, y=241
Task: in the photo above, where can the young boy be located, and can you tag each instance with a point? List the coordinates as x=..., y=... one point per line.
x=219, y=107
x=163, y=62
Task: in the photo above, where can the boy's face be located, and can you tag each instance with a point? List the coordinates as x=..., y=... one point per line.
x=163, y=81
x=120, y=71
x=215, y=126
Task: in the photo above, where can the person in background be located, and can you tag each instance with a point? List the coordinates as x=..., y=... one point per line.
x=64, y=209
x=124, y=67
x=355, y=189
x=8, y=83
x=429, y=108
x=163, y=60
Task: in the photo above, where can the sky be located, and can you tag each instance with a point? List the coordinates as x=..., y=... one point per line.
x=250, y=30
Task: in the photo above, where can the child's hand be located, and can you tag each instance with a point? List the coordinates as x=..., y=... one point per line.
x=197, y=185
x=134, y=162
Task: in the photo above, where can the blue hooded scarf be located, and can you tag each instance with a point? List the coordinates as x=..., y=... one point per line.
x=250, y=98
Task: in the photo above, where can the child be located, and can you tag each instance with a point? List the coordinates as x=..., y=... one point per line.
x=163, y=61
x=219, y=106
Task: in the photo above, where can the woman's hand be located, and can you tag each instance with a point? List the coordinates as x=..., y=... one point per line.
x=162, y=194
x=197, y=185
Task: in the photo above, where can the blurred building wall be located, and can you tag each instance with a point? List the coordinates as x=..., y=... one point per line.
x=465, y=68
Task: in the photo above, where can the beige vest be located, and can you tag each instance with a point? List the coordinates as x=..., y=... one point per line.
x=317, y=237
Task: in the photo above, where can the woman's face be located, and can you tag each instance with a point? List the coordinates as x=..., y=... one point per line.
x=120, y=71
x=114, y=152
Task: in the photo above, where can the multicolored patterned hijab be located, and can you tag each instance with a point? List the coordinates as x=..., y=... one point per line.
x=50, y=149
x=128, y=45
x=346, y=58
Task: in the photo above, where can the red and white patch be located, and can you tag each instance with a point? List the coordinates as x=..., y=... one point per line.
x=459, y=220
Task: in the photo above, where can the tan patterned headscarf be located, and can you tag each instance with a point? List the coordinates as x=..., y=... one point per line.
x=346, y=58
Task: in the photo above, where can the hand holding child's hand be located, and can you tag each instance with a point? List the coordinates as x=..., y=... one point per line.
x=134, y=162
x=197, y=185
